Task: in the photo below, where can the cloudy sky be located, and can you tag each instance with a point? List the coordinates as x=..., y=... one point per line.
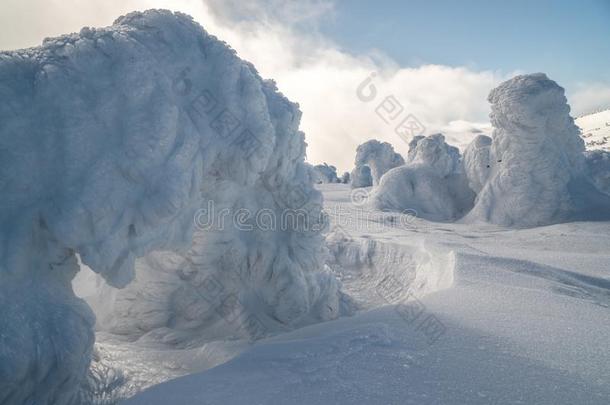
x=435, y=61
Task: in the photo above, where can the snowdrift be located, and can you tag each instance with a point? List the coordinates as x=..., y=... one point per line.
x=111, y=140
x=430, y=185
x=537, y=172
x=379, y=157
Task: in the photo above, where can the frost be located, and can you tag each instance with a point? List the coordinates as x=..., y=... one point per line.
x=111, y=141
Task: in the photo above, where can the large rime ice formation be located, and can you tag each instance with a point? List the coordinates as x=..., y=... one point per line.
x=537, y=172
x=361, y=177
x=110, y=140
x=431, y=183
x=379, y=156
x=325, y=174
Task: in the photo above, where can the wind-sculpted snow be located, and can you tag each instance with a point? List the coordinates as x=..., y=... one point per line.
x=361, y=177
x=537, y=171
x=379, y=157
x=431, y=184
x=110, y=141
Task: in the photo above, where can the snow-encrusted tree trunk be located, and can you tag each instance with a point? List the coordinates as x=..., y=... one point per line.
x=110, y=141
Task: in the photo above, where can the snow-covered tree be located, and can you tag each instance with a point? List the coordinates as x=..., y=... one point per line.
x=379, y=157
x=361, y=177
x=430, y=185
x=537, y=172
x=111, y=140
x=345, y=178
x=325, y=174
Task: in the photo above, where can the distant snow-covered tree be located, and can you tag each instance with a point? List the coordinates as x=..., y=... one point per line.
x=361, y=177
x=430, y=185
x=379, y=157
x=325, y=174
x=345, y=178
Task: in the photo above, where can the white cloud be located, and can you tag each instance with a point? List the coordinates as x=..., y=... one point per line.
x=588, y=97
x=281, y=38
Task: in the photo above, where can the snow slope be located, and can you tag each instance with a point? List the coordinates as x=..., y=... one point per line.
x=449, y=314
x=595, y=129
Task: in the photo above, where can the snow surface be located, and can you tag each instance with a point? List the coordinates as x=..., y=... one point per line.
x=110, y=141
x=522, y=316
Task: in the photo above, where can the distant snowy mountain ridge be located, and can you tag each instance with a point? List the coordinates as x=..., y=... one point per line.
x=596, y=129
